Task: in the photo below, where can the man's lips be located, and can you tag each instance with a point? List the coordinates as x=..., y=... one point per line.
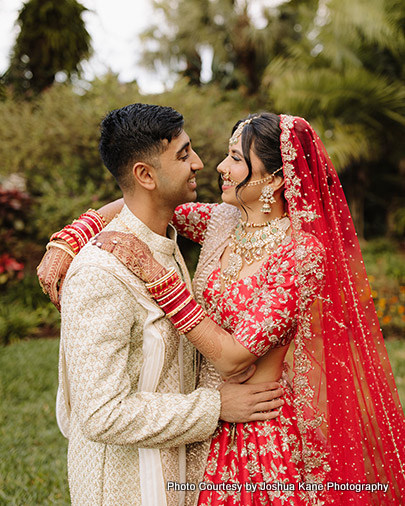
x=192, y=182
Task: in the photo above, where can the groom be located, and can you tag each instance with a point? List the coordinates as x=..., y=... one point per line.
x=126, y=381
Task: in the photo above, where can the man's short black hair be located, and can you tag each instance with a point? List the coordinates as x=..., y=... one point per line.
x=135, y=133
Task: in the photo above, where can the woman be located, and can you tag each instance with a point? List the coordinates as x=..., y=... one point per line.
x=269, y=278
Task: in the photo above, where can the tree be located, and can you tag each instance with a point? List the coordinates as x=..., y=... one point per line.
x=53, y=38
x=225, y=29
x=346, y=76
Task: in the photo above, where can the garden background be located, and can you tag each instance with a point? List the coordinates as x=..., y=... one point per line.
x=338, y=63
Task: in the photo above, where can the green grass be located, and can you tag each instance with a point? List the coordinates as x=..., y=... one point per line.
x=396, y=354
x=32, y=451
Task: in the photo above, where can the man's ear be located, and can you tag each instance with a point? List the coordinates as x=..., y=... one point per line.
x=145, y=175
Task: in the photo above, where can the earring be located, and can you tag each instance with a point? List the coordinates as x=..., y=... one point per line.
x=267, y=198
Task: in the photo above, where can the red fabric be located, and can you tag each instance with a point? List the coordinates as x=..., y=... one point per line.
x=341, y=367
x=191, y=220
x=260, y=310
x=263, y=454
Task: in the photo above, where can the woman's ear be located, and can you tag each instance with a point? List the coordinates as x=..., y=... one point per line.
x=277, y=183
x=144, y=175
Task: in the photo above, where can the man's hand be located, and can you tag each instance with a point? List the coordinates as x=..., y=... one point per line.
x=249, y=402
x=52, y=272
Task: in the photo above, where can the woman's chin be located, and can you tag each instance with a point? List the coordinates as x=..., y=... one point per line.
x=229, y=199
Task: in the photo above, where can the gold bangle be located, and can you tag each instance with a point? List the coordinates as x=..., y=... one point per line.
x=160, y=280
x=63, y=247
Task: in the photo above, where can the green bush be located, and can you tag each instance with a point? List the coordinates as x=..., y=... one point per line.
x=26, y=312
x=52, y=143
x=385, y=264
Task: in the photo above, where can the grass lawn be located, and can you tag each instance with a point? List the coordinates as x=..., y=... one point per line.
x=32, y=451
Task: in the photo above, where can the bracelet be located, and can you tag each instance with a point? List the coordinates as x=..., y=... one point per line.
x=80, y=231
x=176, y=301
x=64, y=247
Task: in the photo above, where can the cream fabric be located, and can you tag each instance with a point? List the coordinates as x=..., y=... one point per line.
x=112, y=422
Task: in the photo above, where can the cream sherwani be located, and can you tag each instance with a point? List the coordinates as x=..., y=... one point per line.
x=126, y=396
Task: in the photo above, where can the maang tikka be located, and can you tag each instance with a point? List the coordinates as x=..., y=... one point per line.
x=267, y=196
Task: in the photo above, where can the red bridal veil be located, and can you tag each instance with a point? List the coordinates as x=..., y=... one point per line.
x=342, y=378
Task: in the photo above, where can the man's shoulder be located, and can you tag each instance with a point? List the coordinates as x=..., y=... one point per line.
x=93, y=258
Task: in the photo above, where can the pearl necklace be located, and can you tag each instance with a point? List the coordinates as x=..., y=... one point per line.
x=252, y=245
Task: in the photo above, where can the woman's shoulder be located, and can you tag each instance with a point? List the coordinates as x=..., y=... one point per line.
x=305, y=249
x=308, y=244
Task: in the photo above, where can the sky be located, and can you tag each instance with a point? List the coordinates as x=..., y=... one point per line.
x=114, y=26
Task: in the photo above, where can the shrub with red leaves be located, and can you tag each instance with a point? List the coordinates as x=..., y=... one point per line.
x=14, y=204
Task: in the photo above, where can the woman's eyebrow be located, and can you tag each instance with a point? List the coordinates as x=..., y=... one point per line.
x=236, y=151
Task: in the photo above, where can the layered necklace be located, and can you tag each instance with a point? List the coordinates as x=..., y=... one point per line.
x=250, y=242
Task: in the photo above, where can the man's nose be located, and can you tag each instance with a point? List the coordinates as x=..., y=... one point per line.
x=197, y=162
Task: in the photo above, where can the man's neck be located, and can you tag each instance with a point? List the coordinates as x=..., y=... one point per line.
x=155, y=217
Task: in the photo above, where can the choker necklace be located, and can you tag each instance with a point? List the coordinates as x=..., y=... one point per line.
x=247, y=224
x=251, y=246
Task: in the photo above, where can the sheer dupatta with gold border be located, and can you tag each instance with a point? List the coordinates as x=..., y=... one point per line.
x=341, y=375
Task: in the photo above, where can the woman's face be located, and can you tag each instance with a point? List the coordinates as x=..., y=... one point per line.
x=233, y=170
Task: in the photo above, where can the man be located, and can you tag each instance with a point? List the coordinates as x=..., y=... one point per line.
x=126, y=396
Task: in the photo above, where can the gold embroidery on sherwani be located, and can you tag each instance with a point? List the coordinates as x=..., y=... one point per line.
x=102, y=329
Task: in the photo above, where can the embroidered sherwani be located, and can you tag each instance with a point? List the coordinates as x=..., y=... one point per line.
x=126, y=394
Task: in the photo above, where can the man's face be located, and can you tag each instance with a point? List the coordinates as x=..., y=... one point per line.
x=176, y=182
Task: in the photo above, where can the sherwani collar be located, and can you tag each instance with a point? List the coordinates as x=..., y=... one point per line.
x=165, y=245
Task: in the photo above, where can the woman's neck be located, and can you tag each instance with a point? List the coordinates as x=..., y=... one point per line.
x=254, y=215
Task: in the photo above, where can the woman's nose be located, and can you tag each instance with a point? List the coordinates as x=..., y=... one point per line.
x=221, y=167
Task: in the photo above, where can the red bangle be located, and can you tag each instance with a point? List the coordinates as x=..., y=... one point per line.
x=81, y=230
x=176, y=301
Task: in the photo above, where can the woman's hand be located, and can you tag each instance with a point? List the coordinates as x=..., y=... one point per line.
x=52, y=272
x=132, y=252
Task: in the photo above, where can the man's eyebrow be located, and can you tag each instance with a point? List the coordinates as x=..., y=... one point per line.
x=185, y=145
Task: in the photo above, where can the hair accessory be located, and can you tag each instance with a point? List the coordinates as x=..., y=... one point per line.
x=237, y=133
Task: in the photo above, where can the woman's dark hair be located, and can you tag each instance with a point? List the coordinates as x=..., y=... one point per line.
x=135, y=133
x=262, y=135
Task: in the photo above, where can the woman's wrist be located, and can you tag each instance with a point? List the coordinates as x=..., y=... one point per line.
x=172, y=295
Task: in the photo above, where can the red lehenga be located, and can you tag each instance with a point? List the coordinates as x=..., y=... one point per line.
x=339, y=439
x=259, y=462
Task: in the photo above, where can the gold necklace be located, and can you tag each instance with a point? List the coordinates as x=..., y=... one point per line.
x=251, y=246
x=260, y=225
